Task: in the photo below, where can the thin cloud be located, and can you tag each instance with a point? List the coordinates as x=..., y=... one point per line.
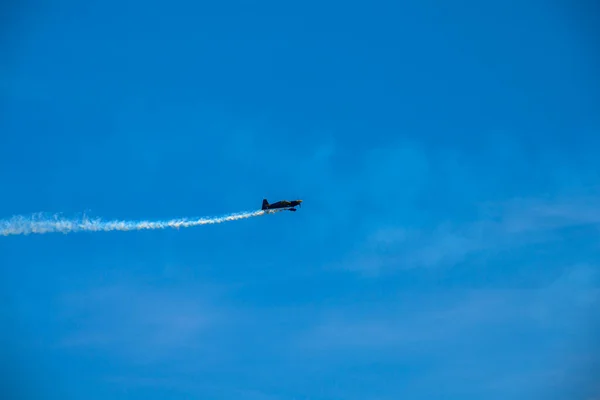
x=482, y=333
x=144, y=323
x=502, y=227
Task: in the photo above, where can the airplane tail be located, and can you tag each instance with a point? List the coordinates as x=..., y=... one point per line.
x=265, y=204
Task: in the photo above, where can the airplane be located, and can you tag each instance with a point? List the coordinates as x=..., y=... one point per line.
x=283, y=204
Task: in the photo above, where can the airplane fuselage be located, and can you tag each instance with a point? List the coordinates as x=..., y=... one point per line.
x=281, y=204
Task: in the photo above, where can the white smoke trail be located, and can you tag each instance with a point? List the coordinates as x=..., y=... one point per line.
x=38, y=224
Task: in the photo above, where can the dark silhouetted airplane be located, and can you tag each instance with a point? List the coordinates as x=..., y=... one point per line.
x=285, y=204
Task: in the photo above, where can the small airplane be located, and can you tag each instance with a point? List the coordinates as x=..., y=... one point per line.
x=283, y=204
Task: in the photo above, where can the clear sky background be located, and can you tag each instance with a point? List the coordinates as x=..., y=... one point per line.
x=447, y=154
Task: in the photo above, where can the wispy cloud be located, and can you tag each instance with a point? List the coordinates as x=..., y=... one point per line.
x=498, y=336
x=143, y=323
x=501, y=227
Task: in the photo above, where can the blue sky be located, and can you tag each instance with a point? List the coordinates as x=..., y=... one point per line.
x=447, y=155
